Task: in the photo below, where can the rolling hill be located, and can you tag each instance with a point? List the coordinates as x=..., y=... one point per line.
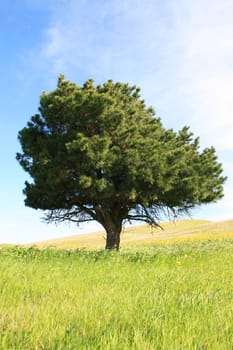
x=144, y=235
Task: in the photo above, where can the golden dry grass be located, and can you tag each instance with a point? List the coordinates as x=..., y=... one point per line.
x=181, y=230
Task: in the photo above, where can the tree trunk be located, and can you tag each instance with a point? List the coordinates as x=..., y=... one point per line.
x=113, y=231
x=113, y=239
x=112, y=223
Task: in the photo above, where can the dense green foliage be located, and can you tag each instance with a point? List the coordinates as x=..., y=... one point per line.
x=166, y=297
x=98, y=153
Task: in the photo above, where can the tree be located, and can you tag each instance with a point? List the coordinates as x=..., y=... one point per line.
x=98, y=153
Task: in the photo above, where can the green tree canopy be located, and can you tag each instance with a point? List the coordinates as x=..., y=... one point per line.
x=98, y=153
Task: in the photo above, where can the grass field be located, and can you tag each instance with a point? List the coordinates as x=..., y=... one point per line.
x=169, y=295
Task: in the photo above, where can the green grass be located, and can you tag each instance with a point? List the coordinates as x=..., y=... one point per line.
x=166, y=296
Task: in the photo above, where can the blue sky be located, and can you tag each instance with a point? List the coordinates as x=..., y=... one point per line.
x=179, y=52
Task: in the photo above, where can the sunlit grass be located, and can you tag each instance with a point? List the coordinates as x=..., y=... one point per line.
x=163, y=296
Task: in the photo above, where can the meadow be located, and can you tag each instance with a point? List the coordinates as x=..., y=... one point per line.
x=170, y=296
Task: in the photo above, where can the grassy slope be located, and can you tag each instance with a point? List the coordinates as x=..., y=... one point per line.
x=143, y=235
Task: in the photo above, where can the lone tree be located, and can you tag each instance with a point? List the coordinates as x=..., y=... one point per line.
x=98, y=153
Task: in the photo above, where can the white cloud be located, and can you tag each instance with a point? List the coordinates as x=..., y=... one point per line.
x=180, y=51
x=106, y=39
x=204, y=31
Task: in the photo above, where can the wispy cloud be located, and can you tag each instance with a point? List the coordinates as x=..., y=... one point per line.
x=180, y=52
x=106, y=38
x=205, y=35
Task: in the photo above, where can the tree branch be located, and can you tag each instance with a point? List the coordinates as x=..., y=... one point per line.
x=76, y=215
